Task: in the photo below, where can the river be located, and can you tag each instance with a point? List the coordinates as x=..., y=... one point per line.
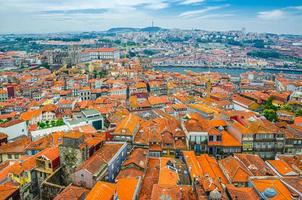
x=231, y=71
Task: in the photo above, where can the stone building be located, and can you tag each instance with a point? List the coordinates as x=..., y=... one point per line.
x=73, y=152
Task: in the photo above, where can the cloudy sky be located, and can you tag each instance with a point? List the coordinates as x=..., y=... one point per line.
x=42, y=16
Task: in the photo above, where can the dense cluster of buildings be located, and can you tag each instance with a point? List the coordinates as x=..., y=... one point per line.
x=136, y=133
x=174, y=47
x=76, y=54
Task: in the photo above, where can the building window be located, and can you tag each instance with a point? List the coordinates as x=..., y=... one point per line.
x=25, y=174
x=16, y=156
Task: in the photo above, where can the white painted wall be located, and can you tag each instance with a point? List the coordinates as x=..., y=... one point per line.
x=42, y=132
x=15, y=130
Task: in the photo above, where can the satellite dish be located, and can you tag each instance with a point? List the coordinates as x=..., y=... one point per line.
x=270, y=192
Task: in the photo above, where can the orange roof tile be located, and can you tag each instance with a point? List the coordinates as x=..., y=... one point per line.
x=49, y=108
x=29, y=115
x=130, y=173
x=73, y=134
x=293, y=160
x=155, y=100
x=166, y=175
x=172, y=192
x=282, y=192
x=234, y=170
x=242, y=193
x=254, y=164
x=212, y=175
x=102, y=191
x=196, y=123
x=282, y=167
x=228, y=140
x=7, y=189
x=85, y=129
x=217, y=123
x=128, y=125
x=195, y=169
x=137, y=157
x=125, y=189
x=298, y=121
x=18, y=146
x=51, y=153
x=11, y=123
x=3, y=136
x=151, y=178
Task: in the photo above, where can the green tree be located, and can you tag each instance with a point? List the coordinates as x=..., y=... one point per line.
x=42, y=125
x=95, y=73
x=269, y=105
x=298, y=113
x=53, y=123
x=286, y=107
x=270, y=115
x=103, y=73
x=60, y=122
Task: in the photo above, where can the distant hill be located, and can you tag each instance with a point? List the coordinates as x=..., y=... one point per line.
x=122, y=29
x=128, y=29
x=152, y=29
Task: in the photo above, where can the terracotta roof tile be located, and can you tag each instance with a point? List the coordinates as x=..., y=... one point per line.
x=151, y=178
x=212, y=175
x=254, y=164
x=102, y=191
x=166, y=175
x=18, y=146
x=282, y=192
x=7, y=189
x=228, y=140
x=234, y=170
x=128, y=125
x=124, y=189
x=293, y=160
x=137, y=157
x=242, y=193
x=282, y=167
x=11, y=123
x=172, y=192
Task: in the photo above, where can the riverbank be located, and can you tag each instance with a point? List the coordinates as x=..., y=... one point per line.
x=231, y=71
x=234, y=67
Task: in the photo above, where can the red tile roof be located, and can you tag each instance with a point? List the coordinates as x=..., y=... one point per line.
x=7, y=189
x=242, y=193
x=234, y=170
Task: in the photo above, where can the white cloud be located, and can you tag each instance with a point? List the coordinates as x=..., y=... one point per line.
x=43, y=5
x=295, y=8
x=187, y=2
x=197, y=13
x=157, y=6
x=212, y=16
x=281, y=13
x=272, y=15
